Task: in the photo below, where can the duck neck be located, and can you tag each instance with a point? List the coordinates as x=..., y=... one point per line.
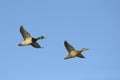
x=35, y=39
x=81, y=50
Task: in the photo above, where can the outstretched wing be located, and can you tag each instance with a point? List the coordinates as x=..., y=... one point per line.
x=80, y=55
x=36, y=45
x=24, y=33
x=68, y=46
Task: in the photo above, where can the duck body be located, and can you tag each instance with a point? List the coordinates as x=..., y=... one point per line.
x=28, y=40
x=73, y=52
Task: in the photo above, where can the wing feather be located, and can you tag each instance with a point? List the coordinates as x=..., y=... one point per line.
x=36, y=45
x=24, y=33
x=68, y=46
x=80, y=55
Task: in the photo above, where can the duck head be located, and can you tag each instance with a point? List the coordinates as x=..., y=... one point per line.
x=41, y=37
x=84, y=49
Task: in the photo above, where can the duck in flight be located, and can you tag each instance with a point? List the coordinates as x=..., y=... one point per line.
x=73, y=52
x=28, y=40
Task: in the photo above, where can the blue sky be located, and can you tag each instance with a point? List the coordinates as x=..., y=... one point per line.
x=94, y=24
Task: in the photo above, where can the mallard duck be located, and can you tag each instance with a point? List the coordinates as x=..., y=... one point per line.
x=28, y=40
x=73, y=52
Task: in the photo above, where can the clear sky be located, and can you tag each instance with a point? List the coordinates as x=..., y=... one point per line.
x=94, y=24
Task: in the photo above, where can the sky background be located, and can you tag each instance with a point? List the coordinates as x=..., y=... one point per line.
x=93, y=24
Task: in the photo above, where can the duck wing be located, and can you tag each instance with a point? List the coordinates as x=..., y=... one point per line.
x=68, y=46
x=36, y=45
x=24, y=33
x=80, y=55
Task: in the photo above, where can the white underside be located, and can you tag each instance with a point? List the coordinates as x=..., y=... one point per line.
x=27, y=41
